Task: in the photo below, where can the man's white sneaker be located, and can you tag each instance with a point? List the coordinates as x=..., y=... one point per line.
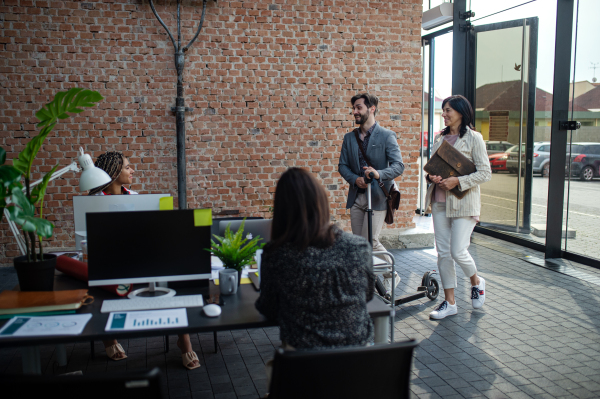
x=478, y=294
x=387, y=282
x=442, y=310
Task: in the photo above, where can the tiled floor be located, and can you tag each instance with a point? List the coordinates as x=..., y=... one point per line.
x=537, y=336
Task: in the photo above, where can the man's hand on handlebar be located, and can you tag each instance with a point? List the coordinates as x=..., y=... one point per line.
x=369, y=169
x=360, y=182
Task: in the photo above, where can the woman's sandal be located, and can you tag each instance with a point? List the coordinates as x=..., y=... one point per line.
x=189, y=358
x=113, y=350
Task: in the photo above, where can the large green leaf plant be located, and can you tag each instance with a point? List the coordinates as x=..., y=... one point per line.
x=22, y=202
x=235, y=250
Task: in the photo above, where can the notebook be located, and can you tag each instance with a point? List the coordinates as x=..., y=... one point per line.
x=13, y=302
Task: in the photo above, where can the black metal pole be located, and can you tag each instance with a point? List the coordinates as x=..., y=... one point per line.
x=180, y=118
x=558, y=138
x=459, y=50
x=180, y=108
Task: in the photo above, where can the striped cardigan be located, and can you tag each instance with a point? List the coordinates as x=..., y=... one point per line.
x=472, y=146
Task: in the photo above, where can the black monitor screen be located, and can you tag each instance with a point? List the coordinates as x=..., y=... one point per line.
x=148, y=246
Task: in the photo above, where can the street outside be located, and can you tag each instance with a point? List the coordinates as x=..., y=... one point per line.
x=499, y=199
x=498, y=203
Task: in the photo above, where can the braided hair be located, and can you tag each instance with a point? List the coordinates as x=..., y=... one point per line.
x=112, y=163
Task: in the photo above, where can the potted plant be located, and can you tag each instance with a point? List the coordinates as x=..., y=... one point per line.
x=35, y=270
x=235, y=250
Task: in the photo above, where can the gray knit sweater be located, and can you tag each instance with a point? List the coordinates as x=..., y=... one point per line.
x=319, y=295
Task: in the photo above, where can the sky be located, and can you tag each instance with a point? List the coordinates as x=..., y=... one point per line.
x=503, y=51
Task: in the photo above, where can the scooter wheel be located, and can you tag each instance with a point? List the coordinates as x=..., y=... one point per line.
x=433, y=289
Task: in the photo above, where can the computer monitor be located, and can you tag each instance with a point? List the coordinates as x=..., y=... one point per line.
x=84, y=204
x=148, y=247
x=256, y=227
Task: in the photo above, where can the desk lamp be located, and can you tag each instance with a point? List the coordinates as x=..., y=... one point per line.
x=91, y=177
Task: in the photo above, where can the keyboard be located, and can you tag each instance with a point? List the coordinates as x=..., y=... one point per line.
x=122, y=305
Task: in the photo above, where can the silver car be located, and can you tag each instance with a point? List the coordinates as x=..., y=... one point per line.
x=541, y=158
x=495, y=147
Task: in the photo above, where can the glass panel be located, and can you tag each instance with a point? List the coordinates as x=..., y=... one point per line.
x=498, y=99
x=537, y=191
x=582, y=209
x=442, y=88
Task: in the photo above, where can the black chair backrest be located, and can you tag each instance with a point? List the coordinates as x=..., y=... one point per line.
x=380, y=371
x=214, y=229
x=142, y=384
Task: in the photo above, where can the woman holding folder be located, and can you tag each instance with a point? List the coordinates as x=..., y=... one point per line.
x=121, y=173
x=453, y=218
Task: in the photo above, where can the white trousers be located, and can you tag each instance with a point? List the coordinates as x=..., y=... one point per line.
x=359, y=222
x=452, y=240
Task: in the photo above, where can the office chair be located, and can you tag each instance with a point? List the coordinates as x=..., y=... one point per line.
x=142, y=384
x=380, y=371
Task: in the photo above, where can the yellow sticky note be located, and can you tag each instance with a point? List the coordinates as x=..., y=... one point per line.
x=165, y=204
x=245, y=280
x=202, y=217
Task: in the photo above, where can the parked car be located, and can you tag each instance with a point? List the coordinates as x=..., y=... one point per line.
x=540, y=162
x=541, y=158
x=585, y=161
x=498, y=161
x=512, y=161
x=496, y=147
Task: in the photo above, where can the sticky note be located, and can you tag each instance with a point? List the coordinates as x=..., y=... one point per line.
x=202, y=217
x=165, y=204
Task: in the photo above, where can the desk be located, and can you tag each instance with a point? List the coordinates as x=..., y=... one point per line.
x=238, y=312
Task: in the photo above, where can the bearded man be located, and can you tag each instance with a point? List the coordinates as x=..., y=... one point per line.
x=384, y=161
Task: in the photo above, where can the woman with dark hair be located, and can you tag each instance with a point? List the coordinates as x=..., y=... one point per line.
x=117, y=166
x=316, y=279
x=453, y=218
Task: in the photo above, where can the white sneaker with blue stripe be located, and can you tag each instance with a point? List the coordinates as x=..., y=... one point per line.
x=442, y=310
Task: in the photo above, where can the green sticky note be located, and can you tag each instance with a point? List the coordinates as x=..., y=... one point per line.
x=202, y=217
x=165, y=204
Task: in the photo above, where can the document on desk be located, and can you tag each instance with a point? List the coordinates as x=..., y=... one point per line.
x=25, y=326
x=147, y=320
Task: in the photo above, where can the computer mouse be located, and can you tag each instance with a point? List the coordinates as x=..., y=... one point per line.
x=212, y=310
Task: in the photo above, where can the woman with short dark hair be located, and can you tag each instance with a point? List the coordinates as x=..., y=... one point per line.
x=453, y=218
x=316, y=279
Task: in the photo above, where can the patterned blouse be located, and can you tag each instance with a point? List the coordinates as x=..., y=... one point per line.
x=319, y=295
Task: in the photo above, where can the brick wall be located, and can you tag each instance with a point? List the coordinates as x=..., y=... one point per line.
x=269, y=82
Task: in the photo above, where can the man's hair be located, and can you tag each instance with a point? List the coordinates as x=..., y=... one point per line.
x=370, y=100
x=112, y=163
x=301, y=215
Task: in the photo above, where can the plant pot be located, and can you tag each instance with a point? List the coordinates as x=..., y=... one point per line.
x=240, y=277
x=36, y=276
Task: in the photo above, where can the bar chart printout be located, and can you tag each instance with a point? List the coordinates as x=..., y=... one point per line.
x=146, y=320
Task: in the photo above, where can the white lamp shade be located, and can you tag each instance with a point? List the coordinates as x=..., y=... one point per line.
x=91, y=177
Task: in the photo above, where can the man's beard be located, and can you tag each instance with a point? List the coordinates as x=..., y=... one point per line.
x=363, y=118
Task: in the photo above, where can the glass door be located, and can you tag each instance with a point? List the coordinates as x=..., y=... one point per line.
x=505, y=59
x=437, y=85
x=581, y=217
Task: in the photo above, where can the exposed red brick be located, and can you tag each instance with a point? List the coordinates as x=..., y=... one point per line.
x=265, y=79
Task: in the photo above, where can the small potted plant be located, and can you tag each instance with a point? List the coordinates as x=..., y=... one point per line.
x=235, y=250
x=35, y=270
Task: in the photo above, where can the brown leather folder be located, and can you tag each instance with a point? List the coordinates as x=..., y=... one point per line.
x=448, y=162
x=12, y=302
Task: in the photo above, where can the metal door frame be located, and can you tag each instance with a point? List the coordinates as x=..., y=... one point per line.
x=531, y=97
x=558, y=138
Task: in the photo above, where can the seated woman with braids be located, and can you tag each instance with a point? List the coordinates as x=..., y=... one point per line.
x=121, y=173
